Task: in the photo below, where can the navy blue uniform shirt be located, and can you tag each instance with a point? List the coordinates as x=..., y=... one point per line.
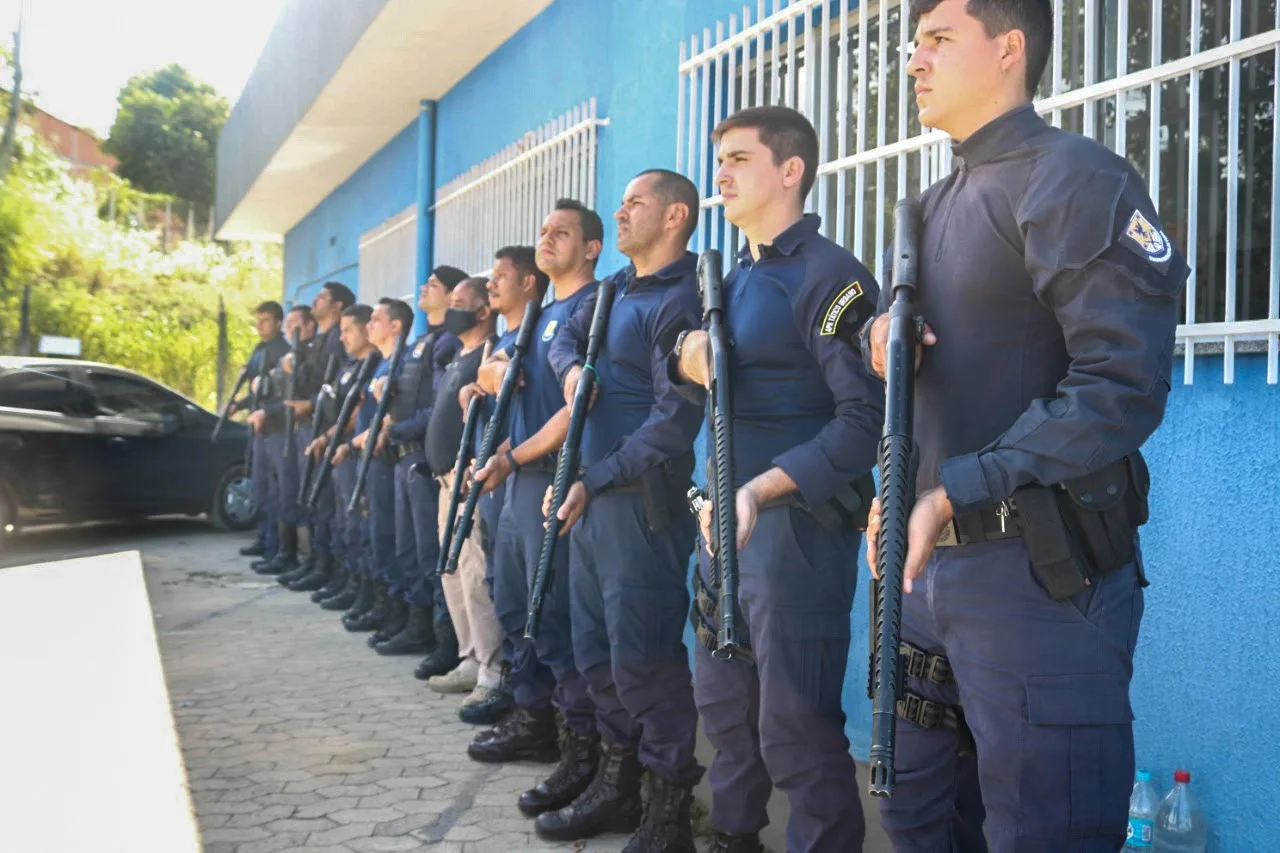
x=369, y=404
x=1054, y=293
x=444, y=432
x=802, y=398
x=541, y=397
x=639, y=420
x=420, y=370
x=342, y=385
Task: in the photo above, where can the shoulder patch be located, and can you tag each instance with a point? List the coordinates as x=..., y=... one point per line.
x=1144, y=238
x=418, y=350
x=835, y=311
x=550, y=331
x=346, y=377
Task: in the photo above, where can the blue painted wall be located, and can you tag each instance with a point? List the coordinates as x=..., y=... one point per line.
x=325, y=245
x=1204, y=693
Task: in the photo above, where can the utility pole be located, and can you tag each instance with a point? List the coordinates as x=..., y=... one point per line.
x=15, y=102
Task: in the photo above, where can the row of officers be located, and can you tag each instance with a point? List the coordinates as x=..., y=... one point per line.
x=1048, y=293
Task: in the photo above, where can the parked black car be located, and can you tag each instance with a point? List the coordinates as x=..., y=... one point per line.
x=81, y=441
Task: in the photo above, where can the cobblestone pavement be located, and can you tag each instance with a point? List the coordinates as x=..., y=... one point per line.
x=296, y=736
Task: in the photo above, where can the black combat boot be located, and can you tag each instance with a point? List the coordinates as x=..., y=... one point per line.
x=523, y=735
x=286, y=558
x=723, y=842
x=306, y=559
x=491, y=711
x=258, y=548
x=347, y=596
x=578, y=756
x=374, y=612
x=414, y=638
x=611, y=803
x=667, y=826
x=444, y=657
x=339, y=577
x=321, y=571
x=392, y=623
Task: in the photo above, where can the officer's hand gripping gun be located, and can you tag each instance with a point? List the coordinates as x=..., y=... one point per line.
x=349, y=403
x=570, y=453
x=375, y=426
x=318, y=409
x=898, y=461
x=510, y=381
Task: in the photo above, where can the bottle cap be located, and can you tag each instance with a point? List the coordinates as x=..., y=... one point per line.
x=1144, y=776
x=1182, y=776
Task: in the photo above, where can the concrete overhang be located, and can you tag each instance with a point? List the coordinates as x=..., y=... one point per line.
x=326, y=96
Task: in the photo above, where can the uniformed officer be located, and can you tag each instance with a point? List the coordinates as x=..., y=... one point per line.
x=629, y=553
x=391, y=320
x=269, y=419
x=515, y=281
x=417, y=498
x=349, y=541
x=807, y=421
x=478, y=635
x=271, y=346
x=326, y=309
x=1051, y=291
x=568, y=247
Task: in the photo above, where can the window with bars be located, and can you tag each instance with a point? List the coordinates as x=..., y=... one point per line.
x=1184, y=88
x=503, y=200
x=389, y=259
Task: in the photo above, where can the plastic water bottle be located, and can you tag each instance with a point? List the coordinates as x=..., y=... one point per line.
x=1180, y=826
x=1144, y=803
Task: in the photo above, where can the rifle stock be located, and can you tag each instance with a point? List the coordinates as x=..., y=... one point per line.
x=317, y=419
x=344, y=417
x=567, y=463
x=898, y=460
x=508, y=389
x=375, y=426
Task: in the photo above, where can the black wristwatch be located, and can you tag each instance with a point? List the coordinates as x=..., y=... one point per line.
x=679, y=347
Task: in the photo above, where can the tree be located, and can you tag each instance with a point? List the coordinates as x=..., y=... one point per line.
x=15, y=100
x=166, y=134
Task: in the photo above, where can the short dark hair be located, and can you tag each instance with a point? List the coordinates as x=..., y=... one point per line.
x=398, y=309
x=675, y=188
x=271, y=307
x=784, y=131
x=340, y=293
x=1033, y=17
x=478, y=286
x=592, y=225
x=448, y=276
x=361, y=313
x=524, y=259
x=305, y=312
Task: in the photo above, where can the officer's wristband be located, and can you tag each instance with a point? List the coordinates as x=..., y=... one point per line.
x=511, y=460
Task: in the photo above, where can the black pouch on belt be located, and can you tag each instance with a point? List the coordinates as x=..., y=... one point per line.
x=1054, y=560
x=663, y=489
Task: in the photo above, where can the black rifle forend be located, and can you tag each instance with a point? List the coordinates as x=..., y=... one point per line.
x=255, y=399
x=349, y=403
x=375, y=426
x=226, y=410
x=724, y=528
x=570, y=453
x=459, y=471
x=510, y=381
x=291, y=391
x=319, y=406
x=898, y=461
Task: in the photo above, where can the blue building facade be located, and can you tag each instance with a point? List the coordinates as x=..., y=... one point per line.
x=1203, y=692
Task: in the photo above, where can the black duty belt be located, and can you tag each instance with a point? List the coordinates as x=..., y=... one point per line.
x=988, y=524
x=404, y=451
x=542, y=465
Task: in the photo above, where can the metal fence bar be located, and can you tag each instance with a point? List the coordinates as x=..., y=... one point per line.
x=1273, y=302
x=1153, y=157
x=841, y=104
x=1233, y=196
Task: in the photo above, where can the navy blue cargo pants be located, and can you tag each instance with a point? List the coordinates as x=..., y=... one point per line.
x=380, y=492
x=779, y=722
x=418, y=538
x=629, y=599
x=1045, y=689
x=546, y=674
x=262, y=477
x=285, y=472
x=323, y=516
x=349, y=533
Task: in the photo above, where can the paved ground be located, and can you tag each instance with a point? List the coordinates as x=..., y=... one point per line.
x=295, y=735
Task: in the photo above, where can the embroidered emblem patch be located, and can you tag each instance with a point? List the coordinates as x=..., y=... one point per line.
x=417, y=351
x=346, y=377
x=1149, y=240
x=835, y=312
x=550, y=331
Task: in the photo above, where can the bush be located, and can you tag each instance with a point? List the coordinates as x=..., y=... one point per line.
x=128, y=302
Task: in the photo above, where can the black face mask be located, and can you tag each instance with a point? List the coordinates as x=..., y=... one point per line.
x=459, y=320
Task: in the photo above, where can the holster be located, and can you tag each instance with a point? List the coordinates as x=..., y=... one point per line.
x=1084, y=528
x=663, y=489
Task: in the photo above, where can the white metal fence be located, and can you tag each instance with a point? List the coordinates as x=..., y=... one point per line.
x=503, y=200
x=389, y=259
x=1184, y=88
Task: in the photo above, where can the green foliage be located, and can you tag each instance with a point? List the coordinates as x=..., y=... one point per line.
x=129, y=303
x=166, y=134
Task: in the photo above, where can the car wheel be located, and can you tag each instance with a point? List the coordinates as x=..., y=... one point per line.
x=234, y=507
